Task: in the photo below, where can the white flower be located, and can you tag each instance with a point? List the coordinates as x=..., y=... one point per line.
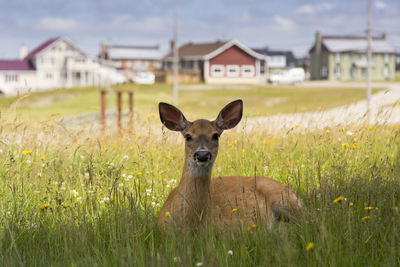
x=199, y=264
x=153, y=204
x=266, y=168
x=130, y=176
x=349, y=133
x=125, y=157
x=148, y=194
x=1, y=150
x=230, y=252
x=74, y=193
x=177, y=259
x=168, y=186
x=82, y=157
x=36, y=191
x=40, y=175
x=124, y=175
x=106, y=200
x=148, y=190
x=121, y=185
x=87, y=175
x=28, y=161
x=79, y=199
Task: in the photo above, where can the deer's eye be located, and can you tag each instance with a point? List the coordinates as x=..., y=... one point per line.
x=188, y=137
x=215, y=137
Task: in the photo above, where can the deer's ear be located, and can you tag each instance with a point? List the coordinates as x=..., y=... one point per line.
x=172, y=117
x=230, y=115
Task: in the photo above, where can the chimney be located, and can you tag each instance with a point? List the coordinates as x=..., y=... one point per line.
x=172, y=44
x=23, y=52
x=103, y=52
x=318, y=42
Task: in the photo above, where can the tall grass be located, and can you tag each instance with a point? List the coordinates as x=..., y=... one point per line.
x=70, y=199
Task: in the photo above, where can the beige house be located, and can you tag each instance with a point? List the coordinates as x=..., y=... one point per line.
x=344, y=58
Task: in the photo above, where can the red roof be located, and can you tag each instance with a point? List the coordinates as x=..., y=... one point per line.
x=15, y=65
x=40, y=48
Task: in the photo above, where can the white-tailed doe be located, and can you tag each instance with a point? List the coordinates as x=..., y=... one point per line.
x=222, y=201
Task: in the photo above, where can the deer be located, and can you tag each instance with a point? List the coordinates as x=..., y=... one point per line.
x=229, y=201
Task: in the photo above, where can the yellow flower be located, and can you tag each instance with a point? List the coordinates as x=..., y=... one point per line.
x=233, y=143
x=248, y=228
x=276, y=137
x=354, y=139
x=234, y=210
x=139, y=173
x=44, y=206
x=88, y=137
x=377, y=208
x=26, y=152
x=338, y=199
x=167, y=213
x=65, y=206
x=42, y=158
x=369, y=208
x=366, y=218
x=254, y=225
x=354, y=145
x=309, y=246
x=343, y=129
x=345, y=145
x=372, y=128
x=351, y=204
x=266, y=143
x=243, y=152
x=327, y=131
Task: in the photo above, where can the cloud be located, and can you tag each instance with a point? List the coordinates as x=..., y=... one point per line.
x=284, y=23
x=54, y=24
x=313, y=9
x=380, y=5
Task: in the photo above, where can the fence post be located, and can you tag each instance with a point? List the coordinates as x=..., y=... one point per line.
x=119, y=108
x=130, y=110
x=103, y=110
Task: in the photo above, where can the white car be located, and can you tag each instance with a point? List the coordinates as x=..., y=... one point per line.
x=291, y=76
x=144, y=78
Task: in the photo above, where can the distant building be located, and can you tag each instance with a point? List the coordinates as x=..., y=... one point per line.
x=397, y=61
x=55, y=63
x=217, y=62
x=344, y=58
x=277, y=60
x=132, y=60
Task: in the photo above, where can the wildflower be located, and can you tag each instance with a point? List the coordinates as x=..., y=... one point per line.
x=338, y=199
x=248, y=228
x=125, y=157
x=199, y=264
x=65, y=206
x=243, y=152
x=349, y=133
x=343, y=129
x=42, y=158
x=120, y=184
x=44, y=206
x=276, y=137
x=79, y=199
x=82, y=157
x=28, y=161
x=310, y=246
x=351, y=204
x=368, y=208
x=177, y=259
x=234, y=210
x=167, y=214
x=74, y=193
x=233, y=143
x=345, y=145
x=371, y=128
x=377, y=208
x=26, y=152
x=355, y=145
x=87, y=175
x=366, y=218
x=230, y=252
x=139, y=173
x=354, y=139
x=327, y=131
x=254, y=225
x=88, y=137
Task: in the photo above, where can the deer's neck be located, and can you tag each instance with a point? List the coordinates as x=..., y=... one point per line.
x=194, y=188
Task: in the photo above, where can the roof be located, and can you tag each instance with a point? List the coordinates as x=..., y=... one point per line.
x=209, y=50
x=290, y=58
x=40, y=48
x=133, y=52
x=355, y=44
x=16, y=65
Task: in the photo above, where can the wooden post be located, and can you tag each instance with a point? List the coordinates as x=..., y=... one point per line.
x=103, y=110
x=130, y=110
x=119, y=108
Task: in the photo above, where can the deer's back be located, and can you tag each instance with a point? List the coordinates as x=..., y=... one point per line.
x=249, y=199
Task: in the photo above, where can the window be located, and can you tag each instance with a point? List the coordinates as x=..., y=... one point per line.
x=324, y=71
x=351, y=57
x=386, y=58
x=217, y=70
x=10, y=78
x=49, y=76
x=337, y=57
x=232, y=70
x=386, y=72
x=47, y=60
x=80, y=59
x=248, y=71
x=353, y=72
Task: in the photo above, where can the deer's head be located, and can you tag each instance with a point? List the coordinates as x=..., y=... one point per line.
x=201, y=136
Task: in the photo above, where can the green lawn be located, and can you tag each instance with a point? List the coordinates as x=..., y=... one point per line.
x=259, y=100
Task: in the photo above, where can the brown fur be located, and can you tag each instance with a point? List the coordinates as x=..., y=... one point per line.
x=198, y=199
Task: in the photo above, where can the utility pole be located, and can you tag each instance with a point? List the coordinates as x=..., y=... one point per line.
x=176, y=58
x=369, y=60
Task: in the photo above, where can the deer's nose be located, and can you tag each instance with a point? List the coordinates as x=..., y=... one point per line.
x=202, y=155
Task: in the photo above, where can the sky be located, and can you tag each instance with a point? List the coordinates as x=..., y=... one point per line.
x=279, y=25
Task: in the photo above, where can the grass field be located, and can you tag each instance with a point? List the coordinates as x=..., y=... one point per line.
x=260, y=100
x=68, y=199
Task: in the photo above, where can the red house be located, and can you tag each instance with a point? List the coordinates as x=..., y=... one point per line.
x=219, y=62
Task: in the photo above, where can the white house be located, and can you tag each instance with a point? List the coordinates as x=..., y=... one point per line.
x=56, y=63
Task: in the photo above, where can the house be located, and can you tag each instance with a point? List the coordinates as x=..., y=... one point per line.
x=344, y=58
x=277, y=59
x=217, y=62
x=132, y=60
x=56, y=63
